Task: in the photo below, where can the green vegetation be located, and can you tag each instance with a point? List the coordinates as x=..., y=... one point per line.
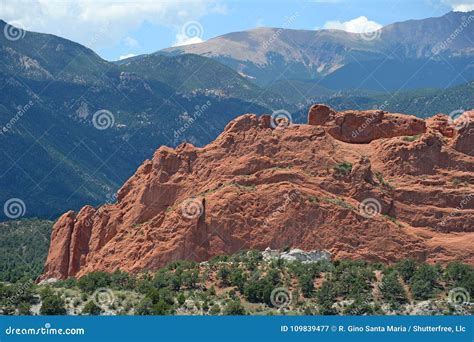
x=343, y=169
x=234, y=307
x=406, y=268
x=392, y=219
x=382, y=181
x=412, y=138
x=91, y=309
x=420, y=102
x=326, y=298
x=52, y=303
x=392, y=290
x=460, y=275
x=424, y=281
x=245, y=283
x=245, y=188
x=23, y=248
x=338, y=201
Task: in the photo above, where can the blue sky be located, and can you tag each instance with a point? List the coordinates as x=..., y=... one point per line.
x=117, y=28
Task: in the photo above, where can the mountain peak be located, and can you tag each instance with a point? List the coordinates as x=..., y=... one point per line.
x=267, y=57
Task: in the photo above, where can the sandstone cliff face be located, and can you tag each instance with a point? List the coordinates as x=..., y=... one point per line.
x=369, y=185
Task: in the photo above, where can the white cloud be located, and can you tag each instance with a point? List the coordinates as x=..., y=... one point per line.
x=460, y=5
x=190, y=33
x=358, y=25
x=127, y=56
x=103, y=23
x=463, y=8
x=182, y=39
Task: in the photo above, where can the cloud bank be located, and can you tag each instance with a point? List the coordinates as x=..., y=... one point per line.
x=460, y=5
x=105, y=23
x=358, y=25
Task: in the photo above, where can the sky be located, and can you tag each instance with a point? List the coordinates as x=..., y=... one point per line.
x=116, y=29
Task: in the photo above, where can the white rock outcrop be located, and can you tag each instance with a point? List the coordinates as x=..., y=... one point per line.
x=296, y=255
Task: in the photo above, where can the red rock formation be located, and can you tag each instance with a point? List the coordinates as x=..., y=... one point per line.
x=464, y=139
x=364, y=126
x=256, y=187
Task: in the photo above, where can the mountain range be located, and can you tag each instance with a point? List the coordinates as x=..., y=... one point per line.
x=433, y=52
x=54, y=158
x=74, y=127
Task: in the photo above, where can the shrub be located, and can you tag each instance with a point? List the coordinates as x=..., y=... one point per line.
x=382, y=181
x=91, y=309
x=190, y=279
x=392, y=290
x=359, y=307
x=343, y=169
x=162, y=308
x=24, y=309
x=122, y=281
x=215, y=310
x=224, y=274
x=234, y=308
x=424, y=281
x=52, y=304
x=326, y=294
x=145, y=307
x=94, y=280
x=406, y=268
x=353, y=279
x=175, y=282
x=411, y=138
x=306, y=285
x=237, y=278
x=460, y=275
x=181, y=299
